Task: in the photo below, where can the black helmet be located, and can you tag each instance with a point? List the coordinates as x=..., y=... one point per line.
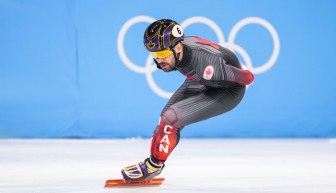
x=162, y=35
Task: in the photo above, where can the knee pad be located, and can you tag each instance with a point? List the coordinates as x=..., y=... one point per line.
x=169, y=117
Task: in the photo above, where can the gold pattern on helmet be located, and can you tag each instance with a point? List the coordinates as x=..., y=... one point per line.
x=162, y=35
x=150, y=45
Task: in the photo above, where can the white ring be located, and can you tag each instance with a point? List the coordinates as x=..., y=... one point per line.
x=152, y=83
x=270, y=28
x=208, y=22
x=121, y=37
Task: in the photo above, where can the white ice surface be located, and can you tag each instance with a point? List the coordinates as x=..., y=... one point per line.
x=196, y=165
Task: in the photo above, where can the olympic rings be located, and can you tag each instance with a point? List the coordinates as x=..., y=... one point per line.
x=149, y=68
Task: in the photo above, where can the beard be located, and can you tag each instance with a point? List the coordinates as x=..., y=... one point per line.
x=165, y=66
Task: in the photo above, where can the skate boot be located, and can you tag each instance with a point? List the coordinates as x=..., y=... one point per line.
x=142, y=171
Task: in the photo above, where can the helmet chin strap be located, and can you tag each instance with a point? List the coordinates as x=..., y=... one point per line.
x=157, y=64
x=177, y=61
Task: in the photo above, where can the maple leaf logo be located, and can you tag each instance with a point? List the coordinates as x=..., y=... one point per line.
x=208, y=71
x=150, y=45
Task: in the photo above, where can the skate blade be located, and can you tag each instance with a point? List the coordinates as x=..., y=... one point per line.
x=122, y=182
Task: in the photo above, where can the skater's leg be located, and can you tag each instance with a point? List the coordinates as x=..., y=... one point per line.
x=210, y=103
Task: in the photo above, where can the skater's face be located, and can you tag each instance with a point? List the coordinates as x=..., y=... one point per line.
x=167, y=63
x=166, y=59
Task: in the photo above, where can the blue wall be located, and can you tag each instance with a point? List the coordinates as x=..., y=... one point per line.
x=62, y=73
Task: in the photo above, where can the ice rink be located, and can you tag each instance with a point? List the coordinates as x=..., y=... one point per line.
x=196, y=165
